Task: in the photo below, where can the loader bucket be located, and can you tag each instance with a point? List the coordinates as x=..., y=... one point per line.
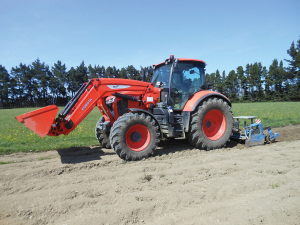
x=40, y=120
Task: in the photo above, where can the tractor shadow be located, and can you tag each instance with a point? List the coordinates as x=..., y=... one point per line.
x=75, y=155
x=177, y=145
x=172, y=146
x=236, y=144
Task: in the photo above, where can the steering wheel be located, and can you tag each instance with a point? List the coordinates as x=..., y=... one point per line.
x=175, y=91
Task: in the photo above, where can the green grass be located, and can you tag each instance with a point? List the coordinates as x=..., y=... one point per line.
x=5, y=162
x=147, y=177
x=15, y=137
x=42, y=158
x=275, y=114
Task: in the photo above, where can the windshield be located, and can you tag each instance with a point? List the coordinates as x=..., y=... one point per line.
x=161, y=76
x=188, y=78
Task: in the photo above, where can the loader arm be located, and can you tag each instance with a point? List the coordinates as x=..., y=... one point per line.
x=89, y=95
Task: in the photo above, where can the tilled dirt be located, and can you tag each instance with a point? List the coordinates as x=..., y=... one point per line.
x=180, y=185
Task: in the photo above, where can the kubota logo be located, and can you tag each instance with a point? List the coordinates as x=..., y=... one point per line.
x=86, y=104
x=118, y=86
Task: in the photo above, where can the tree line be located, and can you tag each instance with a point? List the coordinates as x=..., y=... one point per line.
x=37, y=84
x=256, y=83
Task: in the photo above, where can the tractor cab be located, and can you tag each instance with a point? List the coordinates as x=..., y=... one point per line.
x=179, y=79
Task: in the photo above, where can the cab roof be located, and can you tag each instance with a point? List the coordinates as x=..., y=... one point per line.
x=182, y=60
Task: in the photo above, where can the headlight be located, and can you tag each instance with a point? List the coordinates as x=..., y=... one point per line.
x=110, y=100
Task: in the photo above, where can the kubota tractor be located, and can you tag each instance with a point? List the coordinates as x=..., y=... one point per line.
x=137, y=114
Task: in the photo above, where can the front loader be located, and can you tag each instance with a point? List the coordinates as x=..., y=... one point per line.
x=137, y=114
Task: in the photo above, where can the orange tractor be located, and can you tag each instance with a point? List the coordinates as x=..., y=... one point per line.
x=137, y=114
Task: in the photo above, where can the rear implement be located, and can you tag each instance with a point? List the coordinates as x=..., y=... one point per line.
x=253, y=134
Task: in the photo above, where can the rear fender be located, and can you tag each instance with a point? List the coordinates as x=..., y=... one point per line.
x=200, y=96
x=192, y=104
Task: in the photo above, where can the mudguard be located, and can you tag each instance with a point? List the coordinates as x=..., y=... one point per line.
x=198, y=97
x=195, y=100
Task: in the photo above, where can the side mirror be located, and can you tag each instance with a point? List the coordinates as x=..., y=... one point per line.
x=143, y=74
x=210, y=86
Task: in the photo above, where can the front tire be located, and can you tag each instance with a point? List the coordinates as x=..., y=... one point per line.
x=211, y=125
x=102, y=135
x=134, y=136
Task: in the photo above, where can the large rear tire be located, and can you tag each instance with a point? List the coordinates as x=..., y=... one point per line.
x=211, y=125
x=134, y=136
x=102, y=135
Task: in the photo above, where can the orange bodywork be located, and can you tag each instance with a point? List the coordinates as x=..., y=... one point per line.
x=43, y=122
x=40, y=120
x=193, y=102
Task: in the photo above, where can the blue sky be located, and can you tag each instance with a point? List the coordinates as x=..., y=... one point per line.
x=224, y=34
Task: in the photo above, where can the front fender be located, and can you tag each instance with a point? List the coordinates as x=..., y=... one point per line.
x=198, y=97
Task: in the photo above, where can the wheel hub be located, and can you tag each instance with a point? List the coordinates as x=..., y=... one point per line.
x=136, y=136
x=208, y=124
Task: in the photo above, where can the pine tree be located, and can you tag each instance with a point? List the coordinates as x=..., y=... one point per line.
x=112, y=72
x=26, y=84
x=269, y=83
x=115, y=72
x=249, y=84
x=92, y=71
x=283, y=84
x=58, y=81
x=73, y=83
x=242, y=83
x=224, y=84
x=276, y=74
x=123, y=73
x=264, y=74
x=211, y=79
x=59, y=72
x=102, y=72
x=232, y=86
x=218, y=82
x=4, y=86
x=293, y=71
x=207, y=78
x=133, y=73
x=17, y=86
x=42, y=76
x=148, y=73
x=81, y=74
x=294, y=64
x=261, y=71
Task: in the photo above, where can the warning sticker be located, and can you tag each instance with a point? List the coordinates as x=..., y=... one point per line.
x=258, y=121
x=149, y=99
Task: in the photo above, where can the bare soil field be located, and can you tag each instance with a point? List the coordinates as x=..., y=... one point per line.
x=179, y=185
